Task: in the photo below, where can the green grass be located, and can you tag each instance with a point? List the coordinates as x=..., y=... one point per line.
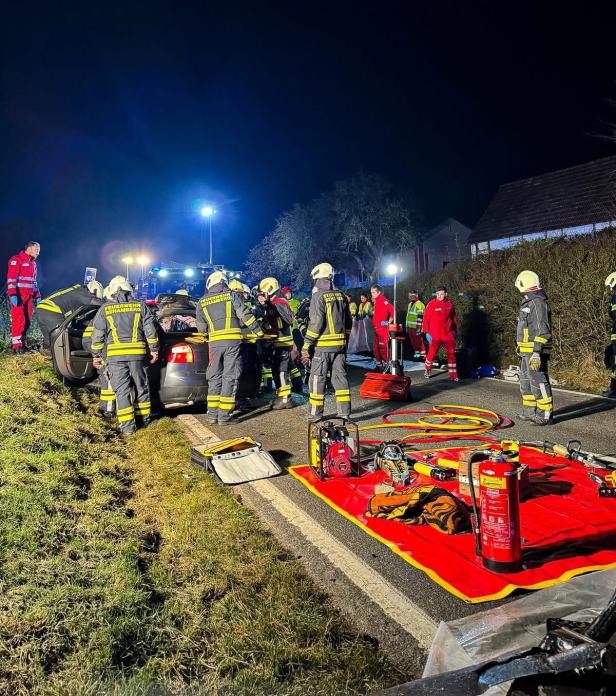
x=123, y=570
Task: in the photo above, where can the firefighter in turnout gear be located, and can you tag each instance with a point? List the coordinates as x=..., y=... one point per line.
x=277, y=323
x=534, y=344
x=124, y=332
x=53, y=310
x=106, y=395
x=23, y=293
x=328, y=331
x=221, y=314
x=414, y=320
x=251, y=362
x=610, y=283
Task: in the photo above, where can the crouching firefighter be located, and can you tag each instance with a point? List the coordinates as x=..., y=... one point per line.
x=277, y=323
x=123, y=331
x=221, y=313
x=328, y=331
x=534, y=345
x=106, y=395
x=51, y=311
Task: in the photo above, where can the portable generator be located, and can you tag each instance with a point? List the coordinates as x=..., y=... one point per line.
x=333, y=448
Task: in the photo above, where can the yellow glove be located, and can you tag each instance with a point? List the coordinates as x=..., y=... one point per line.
x=535, y=362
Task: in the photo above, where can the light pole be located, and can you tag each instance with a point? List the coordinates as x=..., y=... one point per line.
x=393, y=270
x=208, y=212
x=143, y=261
x=128, y=260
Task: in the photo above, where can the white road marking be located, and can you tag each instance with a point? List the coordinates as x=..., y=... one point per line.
x=558, y=389
x=397, y=606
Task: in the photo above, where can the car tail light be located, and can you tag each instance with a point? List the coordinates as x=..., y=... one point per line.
x=181, y=353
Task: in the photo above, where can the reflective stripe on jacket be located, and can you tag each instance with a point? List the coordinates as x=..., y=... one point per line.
x=221, y=314
x=364, y=310
x=277, y=322
x=414, y=315
x=330, y=321
x=65, y=302
x=124, y=329
x=534, y=331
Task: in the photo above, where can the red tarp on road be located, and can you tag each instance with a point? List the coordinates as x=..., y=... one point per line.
x=567, y=529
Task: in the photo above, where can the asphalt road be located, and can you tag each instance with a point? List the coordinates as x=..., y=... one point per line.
x=284, y=433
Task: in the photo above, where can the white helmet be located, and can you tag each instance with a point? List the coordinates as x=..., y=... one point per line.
x=181, y=292
x=95, y=288
x=118, y=283
x=527, y=280
x=269, y=285
x=215, y=278
x=610, y=281
x=245, y=288
x=323, y=270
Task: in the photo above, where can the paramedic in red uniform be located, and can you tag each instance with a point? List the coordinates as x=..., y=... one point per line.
x=381, y=319
x=440, y=326
x=23, y=292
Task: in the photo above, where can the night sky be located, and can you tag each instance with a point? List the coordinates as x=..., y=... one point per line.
x=117, y=119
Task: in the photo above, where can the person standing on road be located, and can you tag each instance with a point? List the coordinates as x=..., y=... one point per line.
x=23, y=293
x=414, y=320
x=534, y=345
x=365, y=307
x=277, y=324
x=610, y=283
x=440, y=327
x=124, y=330
x=221, y=314
x=382, y=318
x=298, y=340
x=328, y=331
x=53, y=310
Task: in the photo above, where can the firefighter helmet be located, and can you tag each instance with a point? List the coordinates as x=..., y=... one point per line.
x=269, y=285
x=610, y=281
x=182, y=292
x=245, y=288
x=323, y=270
x=215, y=278
x=95, y=288
x=235, y=285
x=118, y=283
x=527, y=280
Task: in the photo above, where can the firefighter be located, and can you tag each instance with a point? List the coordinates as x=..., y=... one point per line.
x=414, y=320
x=365, y=307
x=328, y=332
x=23, y=293
x=297, y=381
x=610, y=282
x=277, y=323
x=251, y=363
x=382, y=318
x=106, y=395
x=440, y=327
x=221, y=313
x=124, y=330
x=53, y=310
x=534, y=345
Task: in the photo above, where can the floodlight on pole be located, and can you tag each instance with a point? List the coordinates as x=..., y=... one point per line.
x=393, y=269
x=142, y=261
x=128, y=260
x=208, y=213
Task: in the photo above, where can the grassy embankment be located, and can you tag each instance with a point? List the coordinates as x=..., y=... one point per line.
x=125, y=571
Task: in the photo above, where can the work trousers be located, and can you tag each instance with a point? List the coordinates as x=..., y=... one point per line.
x=536, y=389
x=322, y=363
x=281, y=365
x=21, y=318
x=129, y=382
x=416, y=341
x=380, y=347
x=250, y=376
x=223, y=374
x=106, y=395
x=449, y=343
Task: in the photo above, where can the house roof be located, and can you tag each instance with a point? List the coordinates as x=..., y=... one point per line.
x=445, y=226
x=571, y=197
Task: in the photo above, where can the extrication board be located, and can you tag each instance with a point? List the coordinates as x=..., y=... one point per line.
x=566, y=529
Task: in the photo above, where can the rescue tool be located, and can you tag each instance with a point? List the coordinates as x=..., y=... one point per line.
x=392, y=384
x=333, y=448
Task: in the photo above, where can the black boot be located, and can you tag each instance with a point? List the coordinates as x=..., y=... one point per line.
x=282, y=402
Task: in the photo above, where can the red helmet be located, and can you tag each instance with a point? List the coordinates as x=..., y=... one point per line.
x=285, y=290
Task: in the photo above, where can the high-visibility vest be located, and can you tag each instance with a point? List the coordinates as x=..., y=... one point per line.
x=414, y=314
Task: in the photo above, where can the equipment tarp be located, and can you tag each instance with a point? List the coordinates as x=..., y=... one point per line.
x=566, y=528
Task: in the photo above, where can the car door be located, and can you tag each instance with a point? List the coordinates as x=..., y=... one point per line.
x=70, y=360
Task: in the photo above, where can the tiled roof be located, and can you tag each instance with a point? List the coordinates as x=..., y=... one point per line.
x=579, y=195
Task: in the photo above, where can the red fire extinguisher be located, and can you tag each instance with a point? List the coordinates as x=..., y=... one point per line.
x=498, y=533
